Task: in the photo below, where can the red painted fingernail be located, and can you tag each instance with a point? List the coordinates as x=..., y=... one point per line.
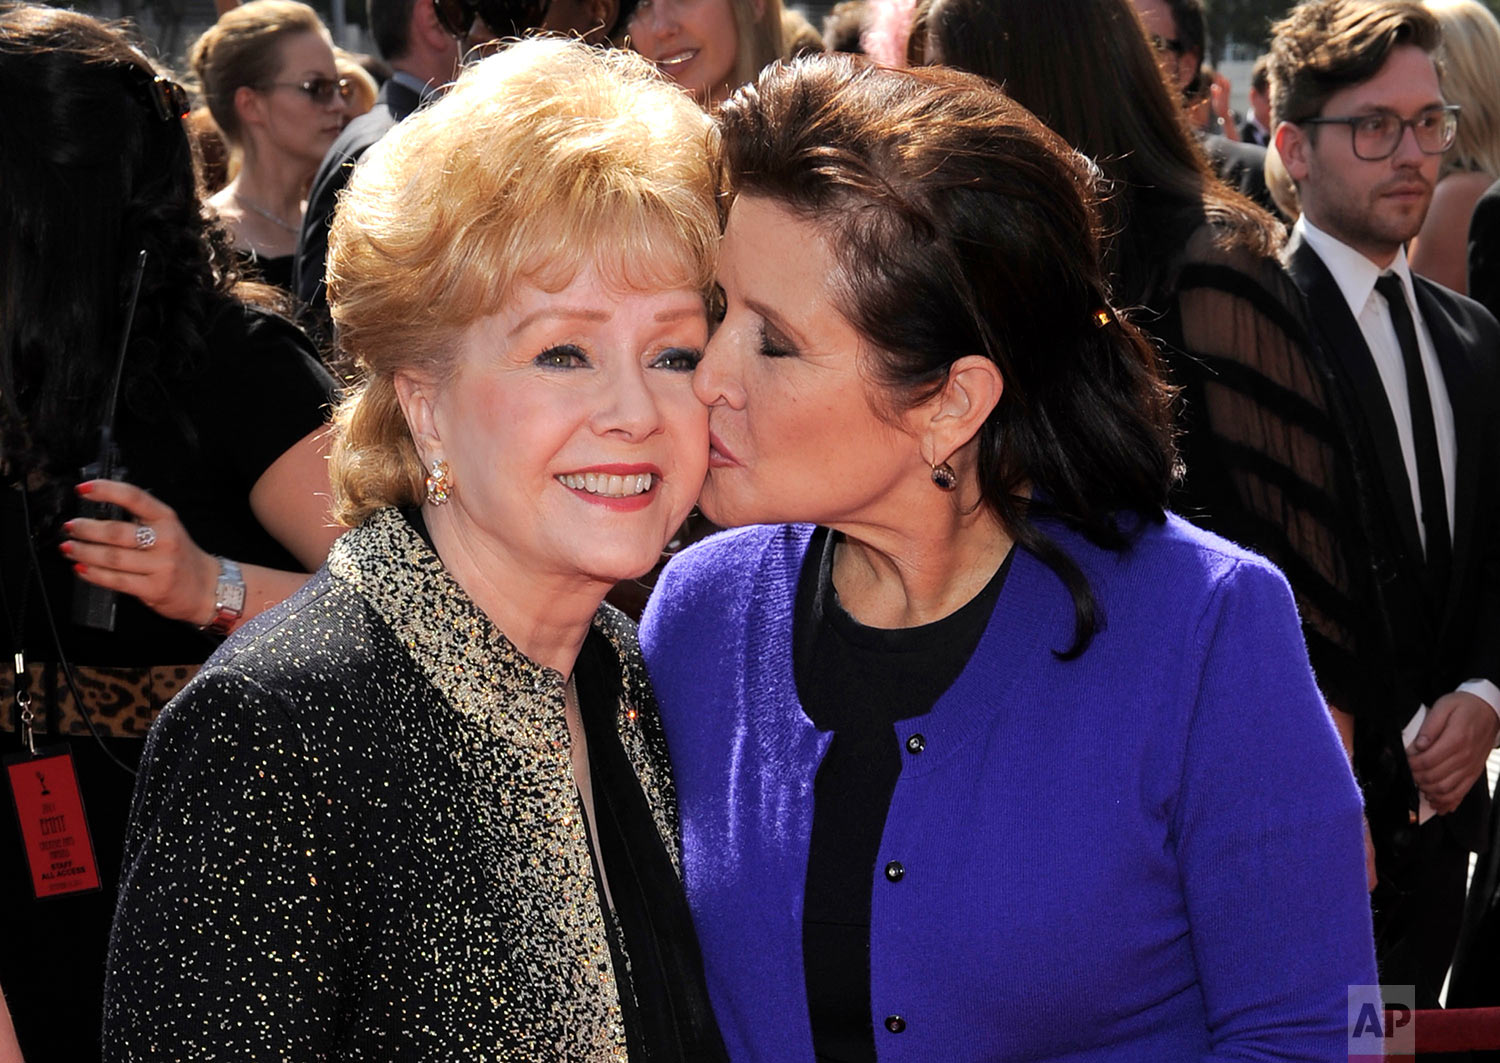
x=68, y=526
x=84, y=488
x=66, y=548
x=80, y=568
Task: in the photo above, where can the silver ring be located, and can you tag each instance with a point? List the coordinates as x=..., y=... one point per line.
x=145, y=537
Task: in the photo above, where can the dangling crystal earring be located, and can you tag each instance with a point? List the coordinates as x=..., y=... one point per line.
x=944, y=476
x=440, y=484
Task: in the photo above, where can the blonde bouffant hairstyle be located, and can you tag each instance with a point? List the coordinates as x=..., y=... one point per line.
x=542, y=160
x=243, y=48
x=1470, y=61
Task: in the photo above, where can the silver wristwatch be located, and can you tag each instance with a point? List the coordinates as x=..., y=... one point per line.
x=229, y=598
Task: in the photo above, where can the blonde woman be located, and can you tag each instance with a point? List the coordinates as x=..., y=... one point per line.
x=1470, y=64
x=422, y=811
x=271, y=82
x=359, y=90
x=709, y=47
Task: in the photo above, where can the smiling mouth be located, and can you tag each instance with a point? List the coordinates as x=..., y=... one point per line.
x=678, y=58
x=608, y=486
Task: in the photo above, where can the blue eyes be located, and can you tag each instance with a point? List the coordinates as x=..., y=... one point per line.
x=571, y=356
x=563, y=356
x=679, y=359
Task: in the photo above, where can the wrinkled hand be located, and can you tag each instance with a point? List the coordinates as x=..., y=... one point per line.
x=1449, y=751
x=173, y=576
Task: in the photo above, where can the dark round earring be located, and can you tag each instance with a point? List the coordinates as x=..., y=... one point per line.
x=943, y=476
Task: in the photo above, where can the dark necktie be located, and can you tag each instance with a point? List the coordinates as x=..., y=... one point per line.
x=1424, y=438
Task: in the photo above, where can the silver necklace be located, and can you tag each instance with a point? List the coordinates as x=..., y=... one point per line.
x=263, y=212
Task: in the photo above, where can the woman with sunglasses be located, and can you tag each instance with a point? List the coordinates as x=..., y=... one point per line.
x=269, y=76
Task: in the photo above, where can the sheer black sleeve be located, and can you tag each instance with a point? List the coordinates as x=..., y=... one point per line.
x=1267, y=464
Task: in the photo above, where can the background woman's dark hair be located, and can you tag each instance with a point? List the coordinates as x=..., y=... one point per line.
x=90, y=174
x=963, y=226
x=1086, y=69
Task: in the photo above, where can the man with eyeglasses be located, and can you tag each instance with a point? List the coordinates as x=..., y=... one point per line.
x=1361, y=126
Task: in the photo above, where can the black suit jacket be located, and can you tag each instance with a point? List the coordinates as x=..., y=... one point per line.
x=1484, y=250
x=1241, y=166
x=1438, y=638
x=394, y=103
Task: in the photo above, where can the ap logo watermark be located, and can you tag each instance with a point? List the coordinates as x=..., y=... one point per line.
x=1381, y=1021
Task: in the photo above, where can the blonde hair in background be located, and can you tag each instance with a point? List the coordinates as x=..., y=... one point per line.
x=1469, y=60
x=243, y=49
x=1280, y=184
x=542, y=160
x=760, y=39
x=363, y=89
x=799, y=36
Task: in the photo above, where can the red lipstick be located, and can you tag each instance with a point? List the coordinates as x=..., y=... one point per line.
x=575, y=481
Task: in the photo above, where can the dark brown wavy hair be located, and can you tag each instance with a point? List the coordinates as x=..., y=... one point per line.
x=961, y=226
x=91, y=173
x=1086, y=69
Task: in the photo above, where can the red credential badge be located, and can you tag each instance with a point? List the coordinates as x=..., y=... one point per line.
x=54, y=831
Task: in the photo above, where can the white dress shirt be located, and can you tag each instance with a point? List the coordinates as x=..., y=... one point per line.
x=1355, y=276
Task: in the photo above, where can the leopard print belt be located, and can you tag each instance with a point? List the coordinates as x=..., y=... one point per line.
x=122, y=702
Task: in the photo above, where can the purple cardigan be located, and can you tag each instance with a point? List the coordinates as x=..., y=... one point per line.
x=1152, y=852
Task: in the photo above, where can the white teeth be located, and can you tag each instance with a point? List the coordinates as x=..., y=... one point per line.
x=678, y=59
x=608, y=486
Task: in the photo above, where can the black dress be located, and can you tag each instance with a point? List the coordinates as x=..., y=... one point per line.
x=199, y=445
x=1266, y=462
x=275, y=271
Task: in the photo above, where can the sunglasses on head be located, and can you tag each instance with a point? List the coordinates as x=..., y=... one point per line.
x=504, y=17
x=319, y=90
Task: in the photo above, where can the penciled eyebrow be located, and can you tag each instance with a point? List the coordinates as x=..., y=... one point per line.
x=566, y=313
x=667, y=316
x=579, y=313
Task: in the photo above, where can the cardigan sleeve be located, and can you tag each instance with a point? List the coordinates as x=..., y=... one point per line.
x=1269, y=836
x=223, y=946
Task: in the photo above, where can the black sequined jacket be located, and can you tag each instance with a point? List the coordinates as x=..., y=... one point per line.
x=356, y=836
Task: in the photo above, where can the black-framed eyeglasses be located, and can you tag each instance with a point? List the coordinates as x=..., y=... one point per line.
x=319, y=90
x=1168, y=44
x=504, y=17
x=1377, y=136
x=169, y=100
